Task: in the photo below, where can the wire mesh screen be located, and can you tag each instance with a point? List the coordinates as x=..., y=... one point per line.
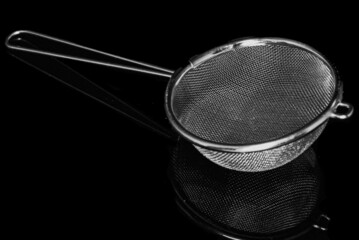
x=253, y=94
x=256, y=203
x=263, y=160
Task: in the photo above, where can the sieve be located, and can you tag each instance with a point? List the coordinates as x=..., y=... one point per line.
x=249, y=105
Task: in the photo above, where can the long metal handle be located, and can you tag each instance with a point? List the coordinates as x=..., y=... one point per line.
x=63, y=73
x=58, y=43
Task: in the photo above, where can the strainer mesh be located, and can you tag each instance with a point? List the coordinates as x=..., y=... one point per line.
x=262, y=160
x=253, y=94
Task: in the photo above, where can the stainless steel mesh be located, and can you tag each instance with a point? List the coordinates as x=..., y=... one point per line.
x=262, y=160
x=253, y=94
x=255, y=203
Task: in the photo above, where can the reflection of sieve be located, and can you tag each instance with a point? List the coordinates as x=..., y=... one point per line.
x=251, y=105
x=283, y=201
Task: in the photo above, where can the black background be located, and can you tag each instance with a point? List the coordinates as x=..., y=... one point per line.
x=74, y=166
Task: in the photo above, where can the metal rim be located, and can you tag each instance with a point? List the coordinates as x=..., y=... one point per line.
x=175, y=79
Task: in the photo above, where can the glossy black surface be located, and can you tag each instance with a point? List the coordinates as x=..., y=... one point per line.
x=75, y=167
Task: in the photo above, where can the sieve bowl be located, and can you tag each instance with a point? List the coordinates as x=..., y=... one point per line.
x=255, y=104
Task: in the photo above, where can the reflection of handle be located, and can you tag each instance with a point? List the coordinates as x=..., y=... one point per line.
x=347, y=114
x=69, y=77
x=54, y=46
